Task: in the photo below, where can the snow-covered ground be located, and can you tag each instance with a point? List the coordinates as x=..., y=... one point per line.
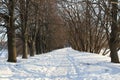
x=62, y=64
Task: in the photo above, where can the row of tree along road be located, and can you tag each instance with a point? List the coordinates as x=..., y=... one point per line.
x=44, y=25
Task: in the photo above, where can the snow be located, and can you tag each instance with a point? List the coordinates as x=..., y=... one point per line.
x=3, y=53
x=62, y=64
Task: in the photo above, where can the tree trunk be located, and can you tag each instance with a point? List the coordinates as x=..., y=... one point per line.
x=37, y=44
x=113, y=35
x=113, y=54
x=11, y=45
x=25, y=48
x=32, y=48
x=11, y=34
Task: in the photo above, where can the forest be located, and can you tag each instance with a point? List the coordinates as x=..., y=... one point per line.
x=38, y=26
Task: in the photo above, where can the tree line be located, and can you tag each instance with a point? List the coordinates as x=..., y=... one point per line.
x=31, y=21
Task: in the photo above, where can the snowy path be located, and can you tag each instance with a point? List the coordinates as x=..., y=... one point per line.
x=62, y=64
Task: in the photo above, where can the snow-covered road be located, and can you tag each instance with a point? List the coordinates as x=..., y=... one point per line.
x=62, y=64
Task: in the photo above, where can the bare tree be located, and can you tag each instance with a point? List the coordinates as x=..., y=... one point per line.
x=86, y=32
x=23, y=10
x=11, y=33
x=114, y=32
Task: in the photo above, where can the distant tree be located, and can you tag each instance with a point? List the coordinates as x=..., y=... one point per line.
x=45, y=22
x=23, y=11
x=33, y=26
